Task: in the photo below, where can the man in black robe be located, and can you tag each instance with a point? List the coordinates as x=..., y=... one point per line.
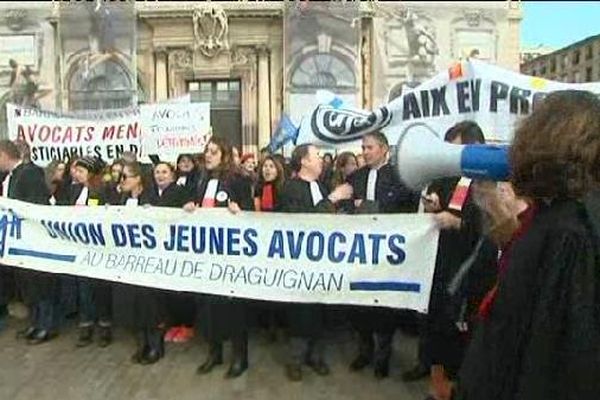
x=25, y=182
x=305, y=194
x=377, y=189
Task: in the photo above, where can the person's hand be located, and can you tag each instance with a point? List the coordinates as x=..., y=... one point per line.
x=233, y=207
x=447, y=220
x=431, y=203
x=502, y=206
x=190, y=206
x=358, y=203
x=342, y=192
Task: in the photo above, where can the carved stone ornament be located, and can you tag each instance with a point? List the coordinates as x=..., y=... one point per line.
x=210, y=30
x=473, y=17
x=243, y=56
x=15, y=19
x=180, y=59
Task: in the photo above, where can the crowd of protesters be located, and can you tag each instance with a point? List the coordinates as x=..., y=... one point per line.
x=465, y=283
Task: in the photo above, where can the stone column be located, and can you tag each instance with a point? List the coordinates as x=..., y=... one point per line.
x=264, y=103
x=160, y=75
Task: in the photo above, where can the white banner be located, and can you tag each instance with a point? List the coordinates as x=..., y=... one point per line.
x=59, y=137
x=493, y=97
x=176, y=127
x=171, y=129
x=380, y=260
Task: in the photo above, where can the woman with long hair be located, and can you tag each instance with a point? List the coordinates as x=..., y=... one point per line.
x=148, y=310
x=345, y=165
x=187, y=173
x=56, y=174
x=269, y=185
x=222, y=317
x=267, y=194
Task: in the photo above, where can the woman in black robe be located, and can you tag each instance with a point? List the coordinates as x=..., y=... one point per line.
x=95, y=295
x=539, y=338
x=221, y=317
x=305, y=194
x=187, y=173
x=148, y=311
x=267, y=198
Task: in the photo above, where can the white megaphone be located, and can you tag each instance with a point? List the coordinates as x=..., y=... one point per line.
x=421, y=156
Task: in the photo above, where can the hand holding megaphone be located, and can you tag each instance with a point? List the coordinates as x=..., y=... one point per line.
x=421, y=156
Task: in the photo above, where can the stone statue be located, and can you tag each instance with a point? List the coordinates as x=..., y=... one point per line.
x=23, y=87
x=421, y=39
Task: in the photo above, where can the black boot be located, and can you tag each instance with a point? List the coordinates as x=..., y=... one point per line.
x=41, y=336
x=215, y=357
x=156, y=347
x=142, y=346
x=26, y=333
x=382, y=354
x=105, y=336
x=240, y=357
x=85, y=336
x=365, y=352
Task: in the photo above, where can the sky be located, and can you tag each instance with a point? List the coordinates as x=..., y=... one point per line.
x=558, y=23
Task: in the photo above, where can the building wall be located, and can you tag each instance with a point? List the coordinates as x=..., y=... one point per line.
x=579, y=62
x=401, y=43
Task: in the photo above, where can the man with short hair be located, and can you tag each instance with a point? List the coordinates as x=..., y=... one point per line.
x=377, y=189
x=24, y=182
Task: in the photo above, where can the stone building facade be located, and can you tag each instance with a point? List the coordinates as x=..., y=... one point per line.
x=233, y=54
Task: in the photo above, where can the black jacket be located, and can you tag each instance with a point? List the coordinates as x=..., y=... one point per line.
x=541, y=340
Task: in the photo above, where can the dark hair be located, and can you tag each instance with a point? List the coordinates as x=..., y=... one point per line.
x=299, y=153
x=280, y=174
x=10, y=149
x=24, y=149
x=468, y=131
x=137, y=170
x=50, y=170
x=556, y=150
x=168, y=164
x=379, y=137
x=340, y=162
x=226, y=168
x=181, y=156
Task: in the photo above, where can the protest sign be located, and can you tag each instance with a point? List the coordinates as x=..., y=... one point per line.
x=380, y=260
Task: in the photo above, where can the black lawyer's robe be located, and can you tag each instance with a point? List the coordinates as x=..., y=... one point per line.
x=441, y=341
x=27, y=183
x=142, y=307
x=222, y=317
x=304, y=319
x=541, y=340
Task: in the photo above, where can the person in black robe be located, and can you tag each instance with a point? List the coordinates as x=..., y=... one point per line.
x=446, y=327
x=539, y=337
x=26, y=182
x=148, y=313
x=95, y=295
x=305, y=194
x=267, y=198
x=377, y=189
x=221, y=317
x=187, y=173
